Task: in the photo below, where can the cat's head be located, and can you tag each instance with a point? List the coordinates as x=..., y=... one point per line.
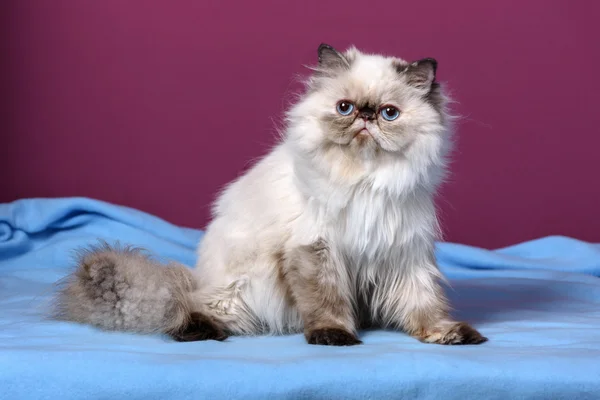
x=365, y=108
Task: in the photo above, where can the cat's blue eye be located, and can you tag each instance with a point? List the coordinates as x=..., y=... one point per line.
x=345, y=108
x=389, y=113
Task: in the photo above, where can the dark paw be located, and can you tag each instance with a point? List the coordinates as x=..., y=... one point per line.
x=455, y=334
x=332, y=337
x=466, y=334
x=199, y=328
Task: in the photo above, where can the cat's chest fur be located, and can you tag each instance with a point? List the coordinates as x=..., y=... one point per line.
x=369, y=225
x=370, y=218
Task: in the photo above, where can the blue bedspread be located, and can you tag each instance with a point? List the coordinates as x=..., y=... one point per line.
x=537, y=302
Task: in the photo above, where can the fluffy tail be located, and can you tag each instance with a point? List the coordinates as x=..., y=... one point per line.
x=123, y=289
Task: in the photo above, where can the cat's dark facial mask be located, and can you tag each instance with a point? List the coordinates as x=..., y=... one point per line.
x=373, y=102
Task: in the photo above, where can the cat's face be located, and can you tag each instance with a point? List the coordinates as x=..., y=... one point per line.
x=366, y=105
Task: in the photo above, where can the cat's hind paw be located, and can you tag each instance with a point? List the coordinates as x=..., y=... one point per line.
x=199, y=327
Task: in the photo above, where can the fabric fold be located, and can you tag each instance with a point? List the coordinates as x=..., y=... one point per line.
x=538, y=303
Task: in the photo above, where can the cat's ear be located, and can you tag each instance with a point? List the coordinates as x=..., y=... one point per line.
x=330, y=58
x=421, y=73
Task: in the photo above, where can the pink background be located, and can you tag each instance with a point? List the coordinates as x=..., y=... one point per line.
x=156, y=105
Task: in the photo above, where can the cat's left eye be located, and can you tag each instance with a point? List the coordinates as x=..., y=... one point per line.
x=389, y=113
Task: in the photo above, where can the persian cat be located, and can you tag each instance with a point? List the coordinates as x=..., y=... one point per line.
x=330, y=232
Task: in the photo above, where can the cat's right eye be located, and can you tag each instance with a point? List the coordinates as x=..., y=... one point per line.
x=345, y=108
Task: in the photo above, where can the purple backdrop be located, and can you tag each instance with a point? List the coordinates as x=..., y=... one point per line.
x=157, y=104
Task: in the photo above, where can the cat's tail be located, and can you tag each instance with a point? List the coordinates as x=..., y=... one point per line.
x=123, y=289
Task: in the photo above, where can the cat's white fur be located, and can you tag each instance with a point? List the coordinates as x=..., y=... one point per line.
x=377, y=205
x=334, y=226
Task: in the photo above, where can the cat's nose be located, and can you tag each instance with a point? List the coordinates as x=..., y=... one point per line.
x=366, y=113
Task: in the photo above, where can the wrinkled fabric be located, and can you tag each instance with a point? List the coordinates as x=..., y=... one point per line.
x=537, y=302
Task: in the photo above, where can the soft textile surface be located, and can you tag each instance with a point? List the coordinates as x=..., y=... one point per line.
x=537, y=302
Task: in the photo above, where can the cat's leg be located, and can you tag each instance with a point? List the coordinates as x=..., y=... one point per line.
x=320, y=287
x=413, y=300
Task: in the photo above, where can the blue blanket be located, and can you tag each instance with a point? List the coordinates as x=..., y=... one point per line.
x=537, y=302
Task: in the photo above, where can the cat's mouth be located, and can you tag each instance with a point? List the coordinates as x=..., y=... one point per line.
x=363, y=132
x=363, y=136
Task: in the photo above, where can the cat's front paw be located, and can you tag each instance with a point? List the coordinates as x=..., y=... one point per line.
x=455, y=334
x=332, y=337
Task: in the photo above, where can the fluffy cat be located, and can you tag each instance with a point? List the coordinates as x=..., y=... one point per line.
x=332, y=231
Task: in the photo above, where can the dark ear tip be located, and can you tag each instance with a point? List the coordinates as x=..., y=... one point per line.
x=431, y=61
x=330, y=58
x=323, y=47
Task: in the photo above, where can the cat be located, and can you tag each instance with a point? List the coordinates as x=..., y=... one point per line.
x=331, y=232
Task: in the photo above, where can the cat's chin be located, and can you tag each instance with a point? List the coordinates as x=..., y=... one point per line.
x=364, y=145
x=358, y=142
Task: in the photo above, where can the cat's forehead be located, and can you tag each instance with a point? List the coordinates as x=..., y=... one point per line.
x=373, y=69
x=371, y=79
